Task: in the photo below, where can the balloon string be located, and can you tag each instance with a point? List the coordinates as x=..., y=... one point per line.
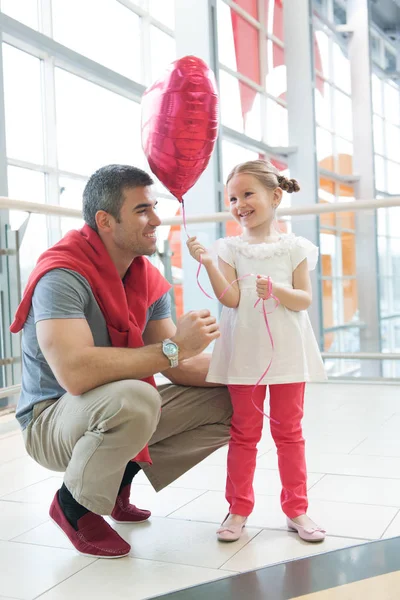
x=270, y=296
x=264, y=311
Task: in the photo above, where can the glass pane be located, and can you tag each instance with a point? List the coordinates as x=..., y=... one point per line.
x=393, y=175
x=277, y=124
x=378, y=134
x=104, y=31
x=322, y=62
x=392, y=103
x=394, y=222
x=247, y=43
x=232, y=155
x=237, y=40
x=24, y=184
x=351, y=340
x=240, y=106
x=25, y=11
x=348, y=255
x=160, y=60
x=390, y=61
x=276, y=79
x=274, y=17
x=377, y=95
x=323, y=110
x=324, y=149
x=384, y=295
x=343, y=116
x=344, y=156
x=71, y=191
x=382, y=214
x=380, y=174
x=341, y=69
x=95, y=127
x=29, y=185
x=339, y=14
x=163, y=11
x=23, y=105
x=226, y=42
x=322, y=6
x=392, y=141
x=382, y=256
x=376, y=49
x=326, y=194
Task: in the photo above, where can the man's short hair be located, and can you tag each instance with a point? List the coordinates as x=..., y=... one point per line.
x=105, y=190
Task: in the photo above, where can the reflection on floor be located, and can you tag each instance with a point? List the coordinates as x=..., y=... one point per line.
x=367, y=572
x=353, y=452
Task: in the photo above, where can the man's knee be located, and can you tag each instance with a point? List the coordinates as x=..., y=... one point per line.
x=137, y=403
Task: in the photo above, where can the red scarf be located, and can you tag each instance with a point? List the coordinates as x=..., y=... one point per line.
x=124, y=304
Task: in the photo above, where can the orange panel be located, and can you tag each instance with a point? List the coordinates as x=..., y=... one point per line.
x=345, y=164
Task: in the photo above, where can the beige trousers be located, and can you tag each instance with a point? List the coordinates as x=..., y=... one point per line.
x=92, y=437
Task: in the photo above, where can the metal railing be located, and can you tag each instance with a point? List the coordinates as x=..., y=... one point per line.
x=311, y=210
x=220, y=217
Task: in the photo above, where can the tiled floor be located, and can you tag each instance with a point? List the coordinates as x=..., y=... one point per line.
x=354, y=480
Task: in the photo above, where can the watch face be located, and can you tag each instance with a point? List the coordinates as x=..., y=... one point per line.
x=170, y=349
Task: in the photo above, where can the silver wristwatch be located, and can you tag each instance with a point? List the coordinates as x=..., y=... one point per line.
x=171, y=351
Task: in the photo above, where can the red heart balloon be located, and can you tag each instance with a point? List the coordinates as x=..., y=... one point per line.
x=180, y=123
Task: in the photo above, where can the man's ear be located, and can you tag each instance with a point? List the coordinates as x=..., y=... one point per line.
x=104, y=221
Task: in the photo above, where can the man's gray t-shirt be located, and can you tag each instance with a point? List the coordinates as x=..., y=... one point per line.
x=62, y=294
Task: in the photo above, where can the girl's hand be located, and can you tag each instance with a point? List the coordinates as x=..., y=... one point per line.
x=263, y=287
x=197, y=250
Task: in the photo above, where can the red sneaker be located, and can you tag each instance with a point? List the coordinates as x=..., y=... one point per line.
x=124, y=512
x=94, y=537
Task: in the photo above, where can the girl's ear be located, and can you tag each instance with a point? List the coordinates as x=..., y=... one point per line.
x=277, y=197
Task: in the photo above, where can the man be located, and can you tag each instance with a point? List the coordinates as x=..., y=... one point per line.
x=96, y=328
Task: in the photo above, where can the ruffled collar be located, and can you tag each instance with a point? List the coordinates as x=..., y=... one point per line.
x=264, y=250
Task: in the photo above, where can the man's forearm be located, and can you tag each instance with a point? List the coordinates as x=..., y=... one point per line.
x=96, y=366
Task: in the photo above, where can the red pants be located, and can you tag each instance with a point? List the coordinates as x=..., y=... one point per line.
x=286, y=407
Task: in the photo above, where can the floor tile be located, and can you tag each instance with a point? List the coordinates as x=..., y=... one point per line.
x=39, y=493
x=358, y=490
x=378, y=445
x=271, y=547
x=212, y=477
x=20, y=473
x=11, y=447
x=394, y=528
x=333, y=443
x=162, y=503
x=130, y=578
x=343, y=464
x=351, y=520
x=17, y=518
x=212, y=508
x=339, y=519
x=47, y=534
x=28, y=571
x=181, y=542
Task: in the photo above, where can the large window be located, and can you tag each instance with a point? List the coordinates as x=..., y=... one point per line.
x=333, y=115
x=252, y=71
x=386, y=130
x=60, y=126
x=389, y=284
x=386, y=106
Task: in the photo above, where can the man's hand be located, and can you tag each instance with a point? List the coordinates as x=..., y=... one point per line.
x=195, y=331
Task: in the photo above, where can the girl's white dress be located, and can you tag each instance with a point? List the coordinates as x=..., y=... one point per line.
x=243, y=351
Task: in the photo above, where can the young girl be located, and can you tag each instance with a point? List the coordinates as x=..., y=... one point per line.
x=243, y=351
